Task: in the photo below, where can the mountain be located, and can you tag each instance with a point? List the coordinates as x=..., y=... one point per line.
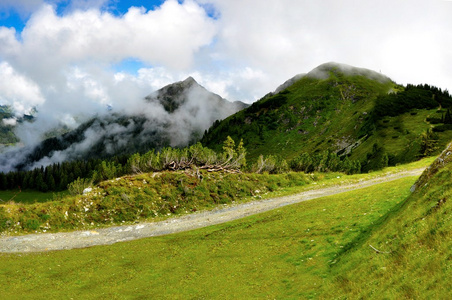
x=175, y=96
x=176, y=115
x=350, y=111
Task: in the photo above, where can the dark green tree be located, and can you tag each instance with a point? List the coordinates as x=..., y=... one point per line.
x=429, y=143
x=40, y=184
x=447, y=118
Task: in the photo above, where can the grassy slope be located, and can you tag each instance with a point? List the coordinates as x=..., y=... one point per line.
x=319, y=114
x=400, y=135
x=419, y=242
x=143, y=197
x=285, y=253
x=316, y=114
x=28, y=197
x=315, y=249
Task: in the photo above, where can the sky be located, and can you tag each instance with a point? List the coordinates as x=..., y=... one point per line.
x=69, y=58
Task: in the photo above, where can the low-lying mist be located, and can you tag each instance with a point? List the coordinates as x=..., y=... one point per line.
x=175, y=115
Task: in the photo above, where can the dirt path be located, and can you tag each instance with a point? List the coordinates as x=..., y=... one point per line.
x=106, y=236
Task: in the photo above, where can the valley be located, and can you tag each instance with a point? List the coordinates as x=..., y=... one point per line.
x=210, y=199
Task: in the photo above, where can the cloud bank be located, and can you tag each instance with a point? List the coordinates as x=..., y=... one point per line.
x=65, y=61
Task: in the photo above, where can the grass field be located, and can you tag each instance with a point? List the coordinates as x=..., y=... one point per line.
x=287, y=253
x=28, y=197
x=156, y=196
x=415, y=261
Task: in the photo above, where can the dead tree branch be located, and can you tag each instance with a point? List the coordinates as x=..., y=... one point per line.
x=378, y=251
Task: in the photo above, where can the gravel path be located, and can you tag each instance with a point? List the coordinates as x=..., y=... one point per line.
x=106, y=236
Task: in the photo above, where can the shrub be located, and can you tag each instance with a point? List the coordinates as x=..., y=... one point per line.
x=5, y=221
x=79, y=185
x=324, y=162
x=442, y=128
x=32, y=224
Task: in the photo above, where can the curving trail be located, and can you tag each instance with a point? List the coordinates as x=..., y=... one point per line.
x=106, y=236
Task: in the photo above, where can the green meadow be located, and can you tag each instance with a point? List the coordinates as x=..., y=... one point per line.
x=292, y=252
x=379, y=242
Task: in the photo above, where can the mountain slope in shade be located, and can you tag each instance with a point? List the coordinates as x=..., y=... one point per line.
x=175, y=115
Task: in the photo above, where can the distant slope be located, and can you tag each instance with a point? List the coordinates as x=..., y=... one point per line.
x=7, y=135
x=412, y=249
x=8, y=121
x=342, y=109
x=175, y=115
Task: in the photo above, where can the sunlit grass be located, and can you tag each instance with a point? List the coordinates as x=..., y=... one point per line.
x=285, y=253
x=417, y=250
x=153, y=197
x=28, y=197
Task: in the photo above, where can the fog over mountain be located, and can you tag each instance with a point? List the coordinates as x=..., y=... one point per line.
x=175, y=115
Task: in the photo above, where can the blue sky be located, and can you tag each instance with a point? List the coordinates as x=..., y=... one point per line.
x=76, y=55
x=16, y=14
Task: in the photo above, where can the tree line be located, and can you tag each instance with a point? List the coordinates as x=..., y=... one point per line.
x=58, y=177
x=422, y=96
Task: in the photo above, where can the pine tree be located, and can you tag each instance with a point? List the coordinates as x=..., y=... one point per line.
x=51, y=183
x=3, y=182
x=40, y=184
x=448, y=117
x=63, y=182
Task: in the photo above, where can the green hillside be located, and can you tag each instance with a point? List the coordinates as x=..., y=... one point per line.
x=414, y=245
x=350, y=111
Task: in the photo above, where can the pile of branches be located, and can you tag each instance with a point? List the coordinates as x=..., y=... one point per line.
x=193, y=157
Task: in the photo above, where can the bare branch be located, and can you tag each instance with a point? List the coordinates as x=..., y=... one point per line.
x=378, y=251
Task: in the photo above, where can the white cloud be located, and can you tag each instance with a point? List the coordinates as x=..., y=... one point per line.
x=64, y=60
x=18, y=91
x=87, y=4
x=249, y=49
x=9, y=46
x=168, y=36
x=10, y=121
x=406, y=40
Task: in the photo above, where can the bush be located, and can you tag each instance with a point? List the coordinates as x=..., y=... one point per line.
x=442, y=128
x=324, y=162
x=5, y=222
x=32, y=224
x=79, y=185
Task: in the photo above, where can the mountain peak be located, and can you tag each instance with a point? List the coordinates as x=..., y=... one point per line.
x=190, y=80
x=177, y=94
x=323, y=72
